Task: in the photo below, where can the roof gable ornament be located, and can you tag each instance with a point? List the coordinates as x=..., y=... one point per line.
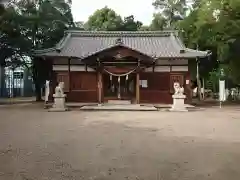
x=119, y=41
x=118, y=56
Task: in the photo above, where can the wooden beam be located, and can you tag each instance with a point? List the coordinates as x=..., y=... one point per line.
x=99, y=72
x=99, y=87
x=137, y=84
x=154, y=64
x=69, y=74
x=137, y=89
x=119, y=62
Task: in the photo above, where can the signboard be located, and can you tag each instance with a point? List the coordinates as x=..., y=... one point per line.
x=144, y=83
x=222, y=94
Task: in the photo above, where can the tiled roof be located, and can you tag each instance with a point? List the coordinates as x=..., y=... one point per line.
x=157, y=44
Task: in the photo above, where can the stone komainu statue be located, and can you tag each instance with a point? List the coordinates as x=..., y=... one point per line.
x=59, y=89
x=178, y=89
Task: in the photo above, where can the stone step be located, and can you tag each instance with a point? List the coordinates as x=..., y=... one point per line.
x=119, y=102
x=115, y=107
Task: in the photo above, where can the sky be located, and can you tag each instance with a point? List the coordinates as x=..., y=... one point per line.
x=141, y=9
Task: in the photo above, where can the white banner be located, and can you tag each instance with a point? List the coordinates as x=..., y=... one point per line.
x=222, y=94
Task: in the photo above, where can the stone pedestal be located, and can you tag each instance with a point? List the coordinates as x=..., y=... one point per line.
x=178, y=103
x=59, y=103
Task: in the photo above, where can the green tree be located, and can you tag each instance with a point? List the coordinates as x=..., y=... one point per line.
x=29, y=25
x=79, y=25
x=215, y=25
x=198, y=37
x=224, y=17
x=129, y=24
x=145, y=28
x=104, y=19
x=159, y=22
x=171, y=9
x=2, y=9
x=10, y=35
x=44, y=23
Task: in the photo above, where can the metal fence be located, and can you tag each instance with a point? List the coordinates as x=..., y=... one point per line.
x=16, y=82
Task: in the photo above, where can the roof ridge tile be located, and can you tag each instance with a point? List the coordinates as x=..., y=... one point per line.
x=120, y=33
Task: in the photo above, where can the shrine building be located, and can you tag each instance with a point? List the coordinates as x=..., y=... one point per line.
x=139, y=66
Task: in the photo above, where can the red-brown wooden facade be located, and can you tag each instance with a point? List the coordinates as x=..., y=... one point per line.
x=94, y=77
x=85, y=86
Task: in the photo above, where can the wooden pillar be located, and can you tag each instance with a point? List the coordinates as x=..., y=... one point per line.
x=138, y=83
x=154, y=65
x=100, y=87
x=99, y=71
x=137, y=89
x=69, y=74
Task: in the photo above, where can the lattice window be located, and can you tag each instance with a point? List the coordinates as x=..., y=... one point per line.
x=176, y=78
x=63, y=77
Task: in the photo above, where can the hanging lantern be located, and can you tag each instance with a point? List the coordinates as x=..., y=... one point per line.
x=119, y=79
x=126, y=77
x=110, y=77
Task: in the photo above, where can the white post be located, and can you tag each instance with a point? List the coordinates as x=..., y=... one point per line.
x=203, y=89
x=222, y=95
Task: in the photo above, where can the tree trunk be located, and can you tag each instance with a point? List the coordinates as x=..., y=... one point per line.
x=198, y=81
x=36, y=80
x=203, y=85
x=38, y=92
x=199, y=84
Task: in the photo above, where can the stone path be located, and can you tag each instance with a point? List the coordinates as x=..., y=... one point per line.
x=75, y=145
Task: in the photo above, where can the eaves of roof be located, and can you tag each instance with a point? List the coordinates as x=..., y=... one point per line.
x=166, y=41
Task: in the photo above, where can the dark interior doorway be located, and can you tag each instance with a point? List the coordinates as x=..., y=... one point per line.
x=119, y=87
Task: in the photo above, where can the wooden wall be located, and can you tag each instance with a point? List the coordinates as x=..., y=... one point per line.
x=160, y=86
x=157, y=90
x=161, y=78
x=82, y=87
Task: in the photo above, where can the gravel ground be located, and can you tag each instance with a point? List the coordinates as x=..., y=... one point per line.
x=75, y=145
